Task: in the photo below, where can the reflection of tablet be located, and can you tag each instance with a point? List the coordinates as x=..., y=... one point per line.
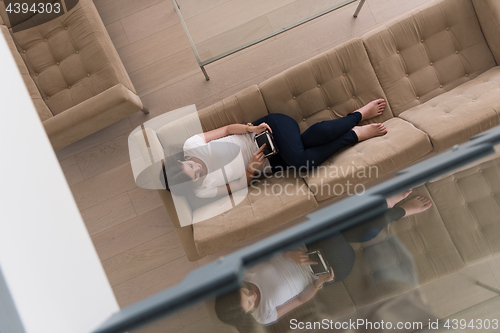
x=322, y=266
x=267, y=138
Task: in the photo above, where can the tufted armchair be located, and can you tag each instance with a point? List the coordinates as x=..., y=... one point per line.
x=71, y=68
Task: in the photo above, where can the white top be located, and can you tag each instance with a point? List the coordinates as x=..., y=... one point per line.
x=231, y=153
x=279, y=280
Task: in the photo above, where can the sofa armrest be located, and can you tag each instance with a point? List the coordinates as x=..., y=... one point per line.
x=488, y=13
x=184, y=234
x=177, y=207
x=91, y=116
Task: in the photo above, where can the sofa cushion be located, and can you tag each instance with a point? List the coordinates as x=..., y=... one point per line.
x=71, y=58
x=347, y=171
x=427, y=52
x=411, y=251
x=488, y=13
x=328, y=86
x=40, y=106
x=469, y=204
x=243, y=107
x=457, y=115
x=269, y=204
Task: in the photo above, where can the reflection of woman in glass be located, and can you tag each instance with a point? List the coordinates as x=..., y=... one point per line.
x=275, y=287
x=270, y=290
x=296, y=150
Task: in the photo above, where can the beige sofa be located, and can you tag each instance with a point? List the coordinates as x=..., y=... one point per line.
x=76, y=79
x=434, y=66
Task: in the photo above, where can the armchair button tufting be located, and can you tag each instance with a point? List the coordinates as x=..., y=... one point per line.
x=36, y=74
x=406, y=75
x=344, y=74
x=397, y=51
x=466, y=75
x=447, y=29
x=418, y=97
x=492, y=194
x=45, y=39
x=421, y=41
x=66, y=28
x=69, y=87
x=294, y=97
x=440, y=86
x=456, y=52
x=328, y=108
x=77, y=51
x=303, y=119
x=431, y=64
x=88, y=74
x=24, y=51
x=319, y=85
x=57, y=64
x=353, y=97
x=48, y=97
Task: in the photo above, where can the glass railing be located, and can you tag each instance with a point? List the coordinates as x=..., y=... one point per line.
x=416, y=253
x=216, y=29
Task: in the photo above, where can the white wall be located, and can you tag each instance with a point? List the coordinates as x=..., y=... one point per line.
x=47, y=258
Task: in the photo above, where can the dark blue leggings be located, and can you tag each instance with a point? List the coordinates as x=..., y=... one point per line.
x=315, y=145
x=339, y=253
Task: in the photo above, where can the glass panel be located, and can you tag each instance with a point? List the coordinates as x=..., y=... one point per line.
x=219, y=27
x=430, y=262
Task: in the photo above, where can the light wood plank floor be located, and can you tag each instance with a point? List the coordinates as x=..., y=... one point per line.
x=130, y=229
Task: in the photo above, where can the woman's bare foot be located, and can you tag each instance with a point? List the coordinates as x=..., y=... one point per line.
x=416, y=205
x=391, y=201
x=369, y=131
x=372, y=109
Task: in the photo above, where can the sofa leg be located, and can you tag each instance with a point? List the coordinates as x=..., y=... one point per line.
x=145, y=111
x=488, y=287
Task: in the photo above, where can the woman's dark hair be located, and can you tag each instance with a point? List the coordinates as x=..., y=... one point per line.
x=178, y=181
x=229, y=311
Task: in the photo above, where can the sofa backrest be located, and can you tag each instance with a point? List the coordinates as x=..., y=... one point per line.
x=40, y=106
x=488, y=13
x=328, y=86
x=70, y=58
x=427, y=52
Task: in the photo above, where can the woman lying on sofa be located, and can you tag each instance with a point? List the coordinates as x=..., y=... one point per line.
x=275, y=287
x=296, y=150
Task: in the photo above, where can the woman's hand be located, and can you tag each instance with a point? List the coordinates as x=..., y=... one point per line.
x=260, y=128
x=327, y=277
x=257, y=159
x=300, y=257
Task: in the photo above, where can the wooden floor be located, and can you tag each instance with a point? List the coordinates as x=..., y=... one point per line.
x=129, y=226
